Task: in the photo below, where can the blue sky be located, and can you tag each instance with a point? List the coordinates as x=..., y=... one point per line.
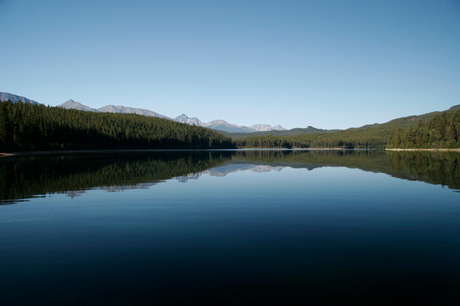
x=327, y=64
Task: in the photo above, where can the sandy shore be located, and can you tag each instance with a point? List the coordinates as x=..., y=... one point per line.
x=455, y=150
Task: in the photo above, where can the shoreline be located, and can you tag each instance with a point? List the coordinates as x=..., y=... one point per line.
x=30, y=153
x=457, y=150
x=33, y=153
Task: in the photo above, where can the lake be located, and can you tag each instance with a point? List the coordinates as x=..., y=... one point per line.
x=229, y=227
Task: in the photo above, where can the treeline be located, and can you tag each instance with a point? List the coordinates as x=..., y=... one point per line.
x=441, y=131
x=25, y=126
x=373, y=137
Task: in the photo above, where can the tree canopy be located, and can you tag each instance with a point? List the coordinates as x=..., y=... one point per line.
x=25, y=126
x=441, y=131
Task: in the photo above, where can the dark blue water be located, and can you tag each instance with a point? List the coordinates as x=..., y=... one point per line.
x=237, y=233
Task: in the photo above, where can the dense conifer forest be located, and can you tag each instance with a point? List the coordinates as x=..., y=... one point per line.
x=26, y=127
x=441, y=131
x=348, y=139
x=369, y=136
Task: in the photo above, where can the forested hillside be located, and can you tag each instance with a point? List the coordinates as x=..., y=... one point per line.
x=369, y=136
x=441, y=131
x=24, y=126
x=278, y=133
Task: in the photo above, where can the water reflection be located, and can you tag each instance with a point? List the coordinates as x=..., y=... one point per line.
x=26, y=177
x=247, y=227
x=222, y=171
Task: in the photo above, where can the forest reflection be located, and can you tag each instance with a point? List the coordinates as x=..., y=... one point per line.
x=26, y=177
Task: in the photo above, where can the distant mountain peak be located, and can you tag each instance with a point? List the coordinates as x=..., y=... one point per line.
x=192, y=121
x=266, y=127
x=222, y=121
x=130, y=110
x=4, y=96
x=222, y=125
x=71, y=104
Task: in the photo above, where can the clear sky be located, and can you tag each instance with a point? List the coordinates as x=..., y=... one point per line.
x=327, y=64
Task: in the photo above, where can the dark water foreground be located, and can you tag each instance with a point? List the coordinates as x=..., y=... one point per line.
x=230, y=227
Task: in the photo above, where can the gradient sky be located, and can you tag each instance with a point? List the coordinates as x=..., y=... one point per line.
x=327, y=64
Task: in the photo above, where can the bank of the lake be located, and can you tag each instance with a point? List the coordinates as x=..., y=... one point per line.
x=31, y=153
x=433, y=150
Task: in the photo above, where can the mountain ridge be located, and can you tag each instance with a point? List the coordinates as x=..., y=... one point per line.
x=228, y=129
x=130, y=110
x=222, y=125
x=71, y=104
x=218, y=125
x=5, y=96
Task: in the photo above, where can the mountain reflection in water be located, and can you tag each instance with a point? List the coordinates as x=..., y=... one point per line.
x=72, y=174
x=222, y=171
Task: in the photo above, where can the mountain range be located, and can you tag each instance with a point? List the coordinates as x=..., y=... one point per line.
x=71, y=104
x=228, y=129
x=219, y=125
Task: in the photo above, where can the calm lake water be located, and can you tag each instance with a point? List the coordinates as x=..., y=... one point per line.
x=229, y=227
